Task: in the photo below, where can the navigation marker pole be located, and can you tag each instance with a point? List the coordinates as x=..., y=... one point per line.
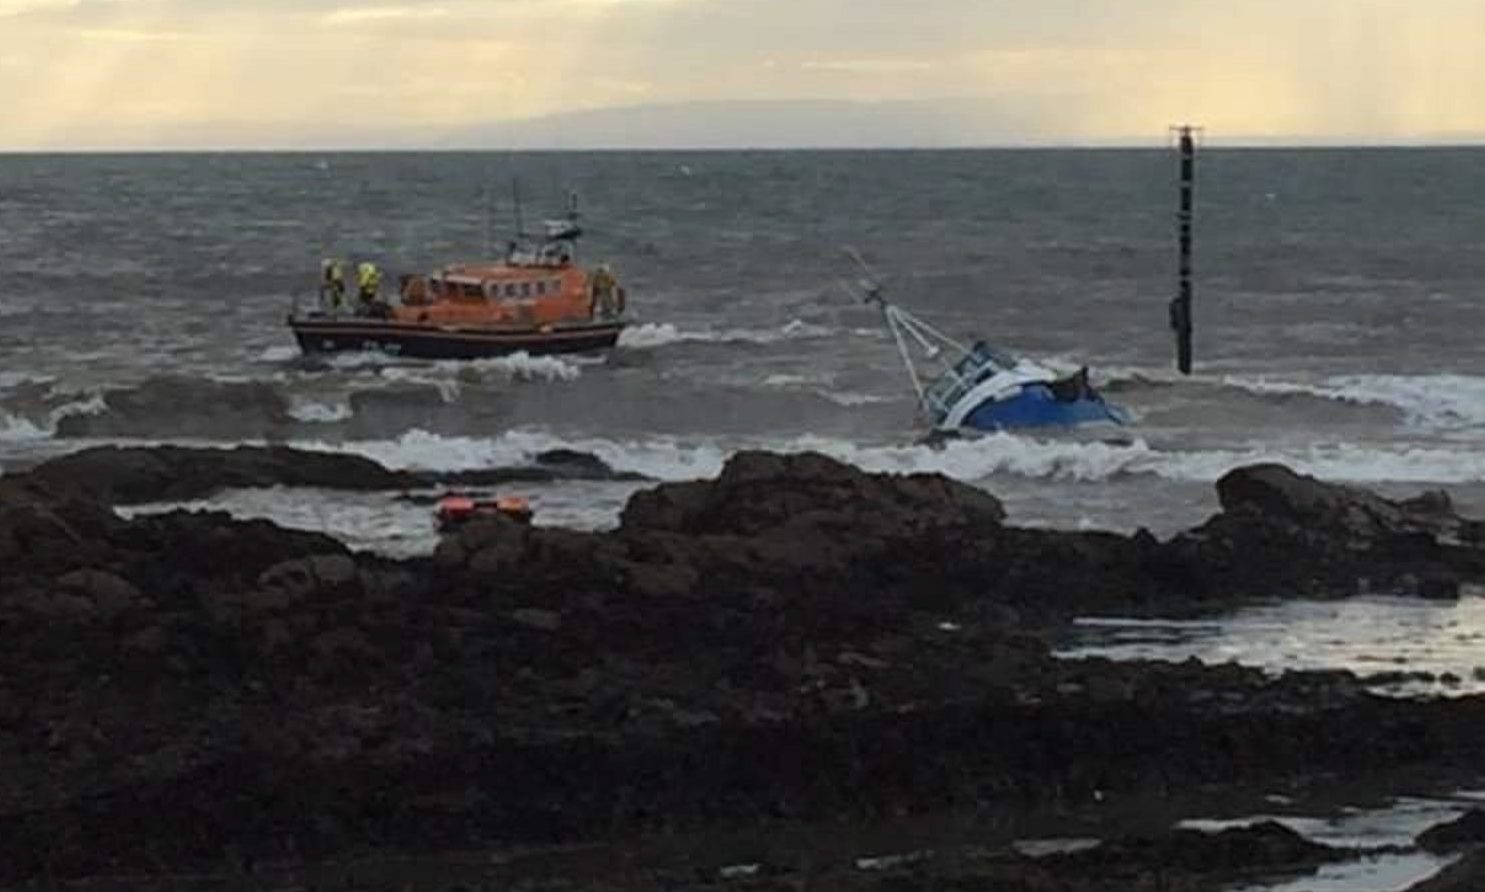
x=1180, y=306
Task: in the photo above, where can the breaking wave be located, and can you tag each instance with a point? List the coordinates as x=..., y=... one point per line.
x=651, y=335
x=15, y=429
x=1432, y=403
x=447, y=377
x=969, y=460
x=320, y=413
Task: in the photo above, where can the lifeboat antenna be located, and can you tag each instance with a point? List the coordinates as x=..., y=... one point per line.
x=515, y=188
x=489, y=217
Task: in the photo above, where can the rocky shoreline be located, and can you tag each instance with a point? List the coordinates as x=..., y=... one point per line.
x=796, y=644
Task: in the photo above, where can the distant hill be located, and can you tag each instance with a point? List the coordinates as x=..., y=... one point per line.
x=784, y=124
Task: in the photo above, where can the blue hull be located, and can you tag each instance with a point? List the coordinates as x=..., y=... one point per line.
x=1036, y=407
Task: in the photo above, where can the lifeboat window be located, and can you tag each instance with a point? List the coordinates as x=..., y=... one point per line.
x=510, y=290
x=556, y=285
x=541, y=288
x=436, y=286
x=472, y=289
x=525, y=289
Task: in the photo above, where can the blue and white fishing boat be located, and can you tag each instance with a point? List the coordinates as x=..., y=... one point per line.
x=980, y=388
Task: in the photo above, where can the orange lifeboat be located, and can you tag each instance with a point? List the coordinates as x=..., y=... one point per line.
x=538, y=300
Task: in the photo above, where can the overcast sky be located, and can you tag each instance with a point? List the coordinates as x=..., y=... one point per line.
x=327, y=73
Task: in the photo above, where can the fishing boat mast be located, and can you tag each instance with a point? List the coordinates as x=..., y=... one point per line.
x=905, y=325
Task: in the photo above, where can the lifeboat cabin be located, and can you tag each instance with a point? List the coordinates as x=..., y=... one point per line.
x=537, y=301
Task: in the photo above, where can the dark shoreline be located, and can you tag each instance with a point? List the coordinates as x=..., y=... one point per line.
x=796, y=646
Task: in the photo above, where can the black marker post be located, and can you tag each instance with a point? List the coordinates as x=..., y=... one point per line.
x=1180, y=307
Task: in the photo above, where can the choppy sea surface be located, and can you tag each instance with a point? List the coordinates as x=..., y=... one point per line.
x=1338, y=310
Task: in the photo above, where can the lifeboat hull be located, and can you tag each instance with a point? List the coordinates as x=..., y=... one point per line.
x=329, y=334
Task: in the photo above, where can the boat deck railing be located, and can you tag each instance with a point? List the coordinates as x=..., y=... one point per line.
x=981, y=362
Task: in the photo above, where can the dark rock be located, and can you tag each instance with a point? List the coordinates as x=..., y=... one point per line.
x=544, y=620
x=574, y=462
x=1281, y=528
x=1440, y=585
x=109, y=594
x=303, y=577
x=541, y=686
x=1464, y=831
x=1278, y=493
x=128, y=475
x=122, y=475
x=1229, y=852
x=759, y=491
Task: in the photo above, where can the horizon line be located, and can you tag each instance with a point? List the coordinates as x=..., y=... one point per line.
x=1472, y=142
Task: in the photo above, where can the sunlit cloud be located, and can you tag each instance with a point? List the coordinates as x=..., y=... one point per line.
x=384, y=13
x=869, y=66
x=125, y=73
x=17, y=7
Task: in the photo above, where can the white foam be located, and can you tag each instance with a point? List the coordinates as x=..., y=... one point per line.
x=1429, y=401
x=668, y=458
x=93, y=404
x=446, y=385
x=320, y=413
x=15, y=429
x=446, y=376
x=363, y=359
x=420, y=450
x=788, y=380
x=12, y=380
x=520, y=366
x=845, y=398
x=278, y=354
x=650, y=335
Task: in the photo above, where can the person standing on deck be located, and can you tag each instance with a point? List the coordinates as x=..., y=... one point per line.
x=604, y=284
x=369, y=282
x=332, y=284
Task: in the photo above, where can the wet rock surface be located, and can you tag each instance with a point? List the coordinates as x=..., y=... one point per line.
x=1466, y=831
x=796, y=642
x=1329, y=539
x=130, y=475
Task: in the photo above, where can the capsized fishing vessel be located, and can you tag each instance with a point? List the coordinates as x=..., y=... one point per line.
x=981, y=388
x=538, y=299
